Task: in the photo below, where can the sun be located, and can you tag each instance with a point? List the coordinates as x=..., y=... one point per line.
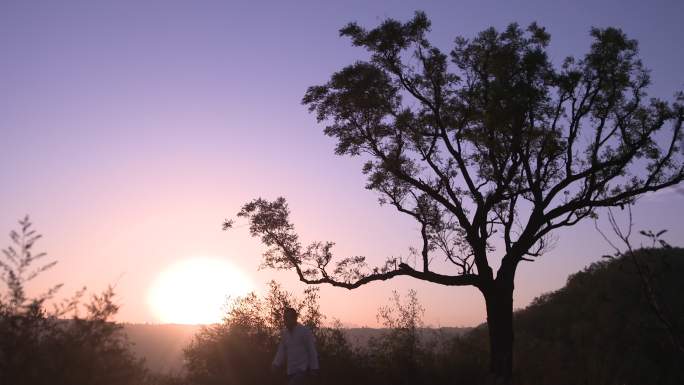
x=195, y=290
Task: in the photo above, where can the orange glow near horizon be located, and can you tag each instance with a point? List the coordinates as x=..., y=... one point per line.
x=194, y=291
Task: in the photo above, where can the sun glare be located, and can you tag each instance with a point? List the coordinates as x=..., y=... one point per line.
x=194, y=291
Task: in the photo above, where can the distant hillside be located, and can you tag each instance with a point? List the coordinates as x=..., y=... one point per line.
x=359, y=337
x=162, y=345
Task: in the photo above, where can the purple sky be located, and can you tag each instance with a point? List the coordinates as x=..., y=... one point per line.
x=131, y=129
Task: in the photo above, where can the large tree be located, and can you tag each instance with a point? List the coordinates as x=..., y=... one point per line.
x=489, y=148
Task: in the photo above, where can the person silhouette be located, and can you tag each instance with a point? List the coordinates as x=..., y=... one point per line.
x=297, y=349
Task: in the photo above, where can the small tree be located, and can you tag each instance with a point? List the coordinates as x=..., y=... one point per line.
x=489, y=141
x=18, y=267
x=398, y=353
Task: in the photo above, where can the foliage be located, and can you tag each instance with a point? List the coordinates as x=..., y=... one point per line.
x=402, y=354
x=57, y=346
x=240, y=349
x=18, y=268
x=397, y=356
x=646, y=274
x=486, y=140
x=490, y=140
x=599, y=329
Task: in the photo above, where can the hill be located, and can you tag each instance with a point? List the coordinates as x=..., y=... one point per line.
x=160, y=345
x=601, y=328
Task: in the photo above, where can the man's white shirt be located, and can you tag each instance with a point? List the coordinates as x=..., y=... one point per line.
x=298, y=349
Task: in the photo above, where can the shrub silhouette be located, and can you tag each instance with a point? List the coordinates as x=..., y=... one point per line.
x=57, y=346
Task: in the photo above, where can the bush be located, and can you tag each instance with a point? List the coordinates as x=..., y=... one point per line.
x=41, y=346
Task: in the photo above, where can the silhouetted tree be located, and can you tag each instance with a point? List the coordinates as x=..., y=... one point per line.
x=491, y=139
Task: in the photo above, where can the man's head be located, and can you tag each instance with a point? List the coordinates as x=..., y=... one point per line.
x=290, y=317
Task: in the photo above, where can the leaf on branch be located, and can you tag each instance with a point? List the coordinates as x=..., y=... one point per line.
x=350, y=269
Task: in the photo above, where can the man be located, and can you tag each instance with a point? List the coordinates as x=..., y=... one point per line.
x=297, y=349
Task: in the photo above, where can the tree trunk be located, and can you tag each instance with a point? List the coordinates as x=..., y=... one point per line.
x=499, y=300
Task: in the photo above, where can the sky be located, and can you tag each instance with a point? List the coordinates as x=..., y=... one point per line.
x=131, y=129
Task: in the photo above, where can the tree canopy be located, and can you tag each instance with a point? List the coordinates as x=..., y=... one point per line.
x=489, y=139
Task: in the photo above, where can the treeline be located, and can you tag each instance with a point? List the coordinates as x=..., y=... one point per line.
x=601, y=328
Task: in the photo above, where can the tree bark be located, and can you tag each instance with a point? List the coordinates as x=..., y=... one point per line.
x=499, y=301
